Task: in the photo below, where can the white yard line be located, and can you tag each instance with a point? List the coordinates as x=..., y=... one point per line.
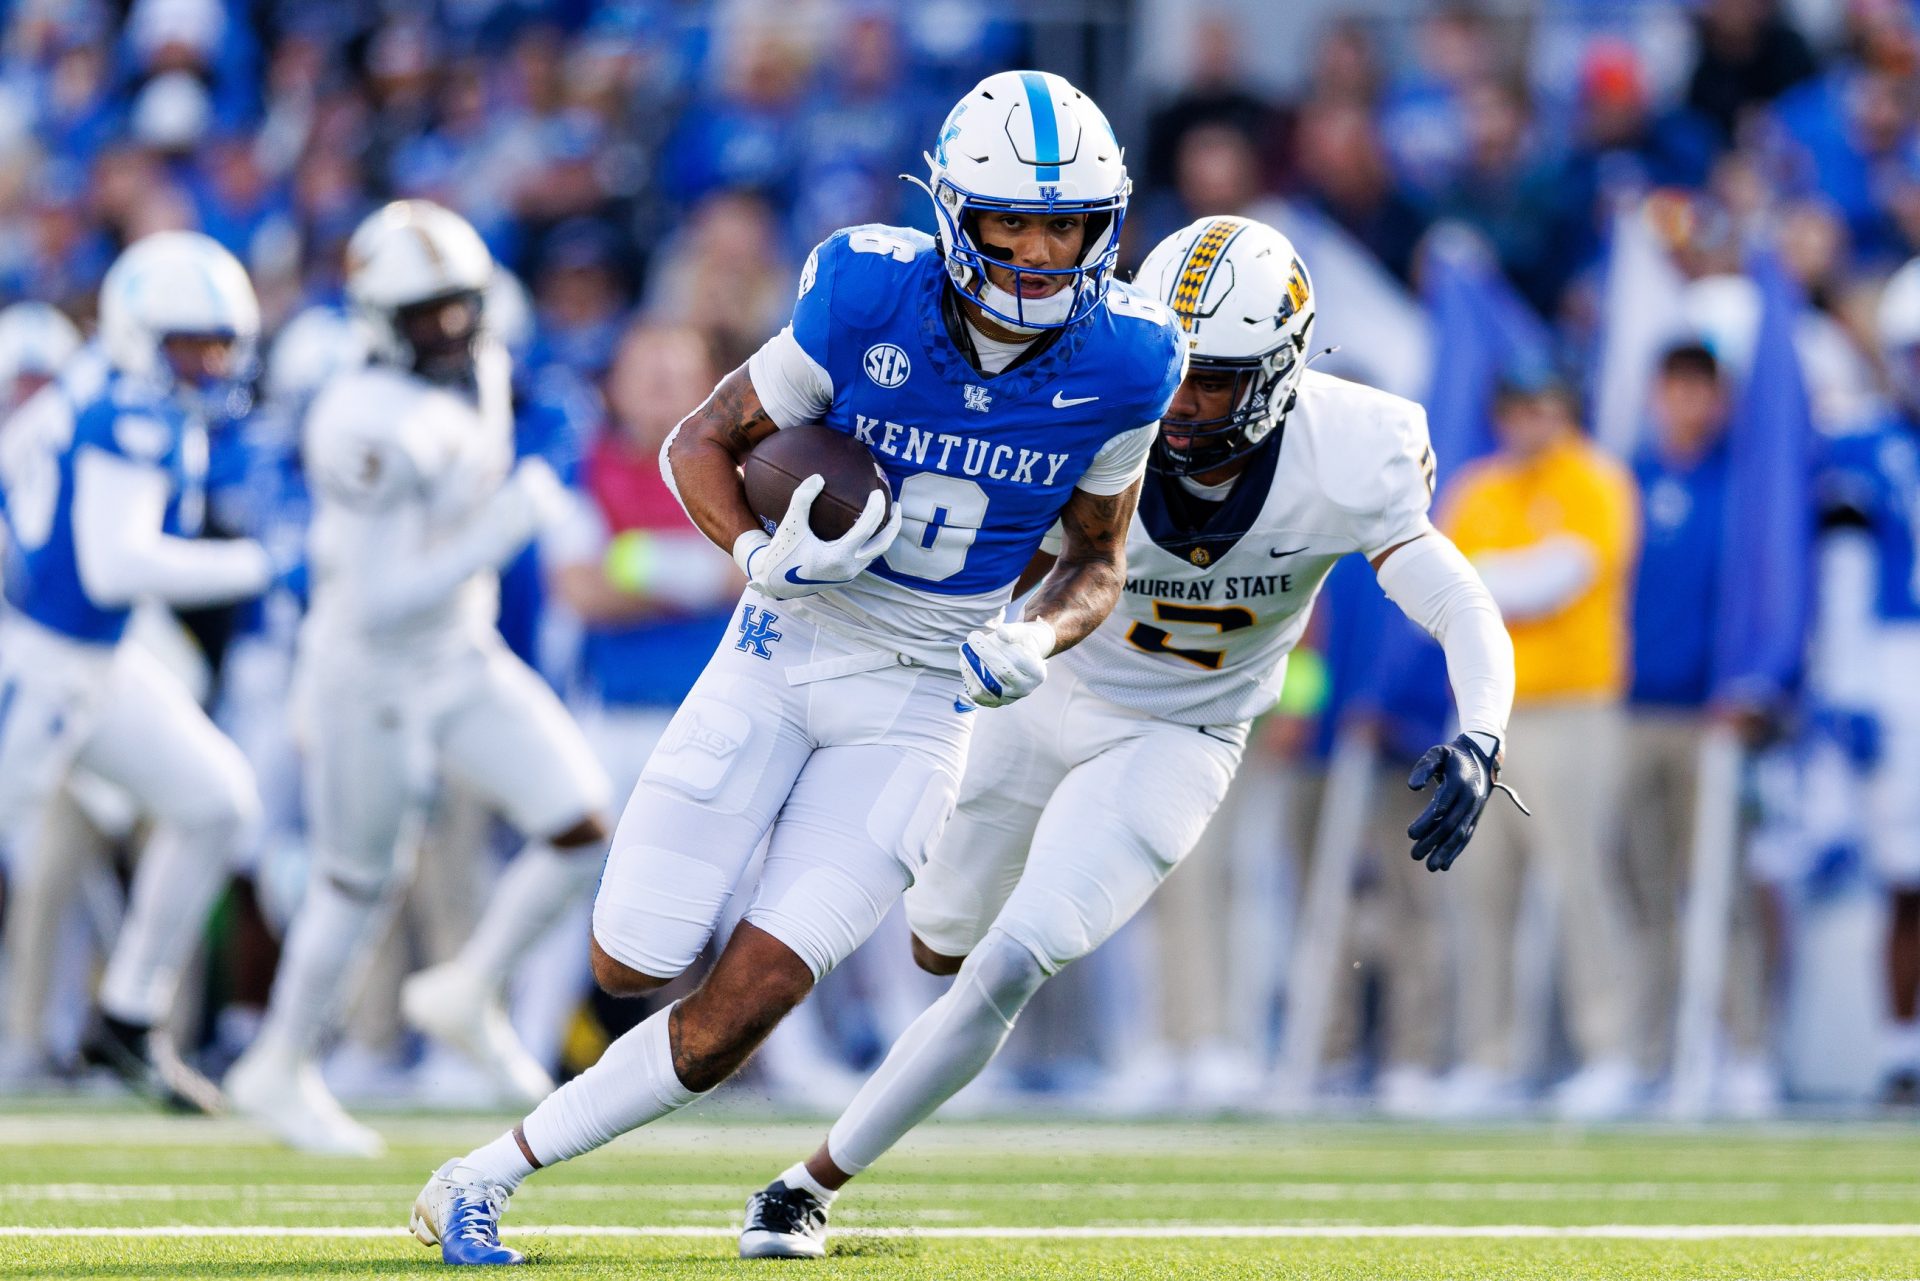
x=1412, y=1231
x=1264, y=1190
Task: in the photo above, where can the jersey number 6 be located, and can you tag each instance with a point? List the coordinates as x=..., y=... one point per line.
x=1223, y=618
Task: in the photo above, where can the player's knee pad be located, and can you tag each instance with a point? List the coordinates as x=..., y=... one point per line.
x=657, y=908
x=366, y=876
x=1005, y=972
x=223, y=802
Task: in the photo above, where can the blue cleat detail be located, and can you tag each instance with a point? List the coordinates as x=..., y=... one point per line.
x=463, y=1219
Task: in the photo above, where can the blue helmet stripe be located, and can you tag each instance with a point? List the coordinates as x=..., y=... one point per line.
x=1046, y=130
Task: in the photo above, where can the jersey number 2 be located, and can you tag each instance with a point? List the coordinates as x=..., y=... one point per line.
x=1223, y=618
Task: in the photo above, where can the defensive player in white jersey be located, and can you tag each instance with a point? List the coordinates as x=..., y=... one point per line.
x=403, y=676
x=1080, y=800
x=1002, y=386
x=105, y=478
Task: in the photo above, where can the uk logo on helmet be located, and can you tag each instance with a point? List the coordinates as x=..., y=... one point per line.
x=887, y=365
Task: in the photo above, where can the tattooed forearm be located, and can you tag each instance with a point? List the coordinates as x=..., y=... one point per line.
x=705, y=452
x=1085, y=583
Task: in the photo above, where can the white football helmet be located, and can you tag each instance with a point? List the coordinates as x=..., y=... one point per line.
x=177, y=283
x=418, y=274
x=35, y=340
x=1898, y=320
x=1245, y=302
x=311, y=348
x=1029, y=142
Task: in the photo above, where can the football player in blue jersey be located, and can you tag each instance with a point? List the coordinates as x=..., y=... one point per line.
x=1004, y=383
x=104, y=472
x=1870, y=497
x=36, y=338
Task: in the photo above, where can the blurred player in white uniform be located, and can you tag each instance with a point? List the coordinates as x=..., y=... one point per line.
x=36, y=338
x=1001, y=386
x=1870, y=490
x=105, y=479
x=1080, y=800
x=403, y=676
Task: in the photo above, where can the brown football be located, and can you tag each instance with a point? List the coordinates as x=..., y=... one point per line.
x=780, y=462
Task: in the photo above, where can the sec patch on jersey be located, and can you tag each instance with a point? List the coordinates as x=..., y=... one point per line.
x=780, y=462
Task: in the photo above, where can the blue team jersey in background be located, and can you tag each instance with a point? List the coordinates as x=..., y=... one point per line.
x=1680, y=558
x=90, y=406
x=981, y=466
x=1877, y=474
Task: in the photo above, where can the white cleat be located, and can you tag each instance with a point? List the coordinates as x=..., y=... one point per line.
x=286, y=1096
x=446, y=1003
x=462, y=1217
x=1474, y=1093
x=1605, y=1090
x=1407, y=1091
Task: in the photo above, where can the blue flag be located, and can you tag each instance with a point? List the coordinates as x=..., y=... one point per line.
x=1485, y=333
x=1767, y=586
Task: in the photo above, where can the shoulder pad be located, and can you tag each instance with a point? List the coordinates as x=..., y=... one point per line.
x=865, y=267
x=1151, y=356
x=1372, y=444
x=142, y=436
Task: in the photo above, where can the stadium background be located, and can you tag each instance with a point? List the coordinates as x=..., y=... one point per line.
x=1488, y=195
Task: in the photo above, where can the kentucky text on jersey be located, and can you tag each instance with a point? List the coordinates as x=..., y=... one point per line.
x=976, y=457
x=980, y=478
x=1230, y=587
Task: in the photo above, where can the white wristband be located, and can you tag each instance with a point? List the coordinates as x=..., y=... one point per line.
x=1046, y=628
x=746, y=545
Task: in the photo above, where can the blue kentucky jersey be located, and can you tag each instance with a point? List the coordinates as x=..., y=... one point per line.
x=1876, y=474
x=981, y=466
x=89, y=407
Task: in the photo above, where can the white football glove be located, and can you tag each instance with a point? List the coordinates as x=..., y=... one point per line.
x=1006, y=661
x=794, y=561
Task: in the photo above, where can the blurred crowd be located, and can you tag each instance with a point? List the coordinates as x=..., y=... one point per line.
x=1566, y=228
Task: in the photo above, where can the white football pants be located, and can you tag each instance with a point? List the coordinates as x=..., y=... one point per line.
x=118, y=713
x=1072, y=812
x=850, y=755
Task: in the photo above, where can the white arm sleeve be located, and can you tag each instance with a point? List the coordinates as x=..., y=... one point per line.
x=1433, y=584
x=1845, y=671
x=119, y=509
x=1539, y=580
x=393, y=588
x=793, y=387
x=1120, y=462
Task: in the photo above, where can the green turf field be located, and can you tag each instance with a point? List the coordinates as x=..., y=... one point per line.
x=108, y=1191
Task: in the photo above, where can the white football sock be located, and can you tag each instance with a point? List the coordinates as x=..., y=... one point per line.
x=632, y=1084
x=798, y=1177
x=499, y=1162
x=536, y=888
x=324, y=952
x=944, y=1049
x=181, y=872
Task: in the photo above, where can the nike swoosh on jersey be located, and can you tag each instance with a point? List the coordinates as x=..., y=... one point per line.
x=1291, y=552
x=1062, y=401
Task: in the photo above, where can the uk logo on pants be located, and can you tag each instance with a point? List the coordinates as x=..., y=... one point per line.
x=756, y=631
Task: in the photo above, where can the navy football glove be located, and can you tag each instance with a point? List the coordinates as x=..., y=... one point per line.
x=1464, y=777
